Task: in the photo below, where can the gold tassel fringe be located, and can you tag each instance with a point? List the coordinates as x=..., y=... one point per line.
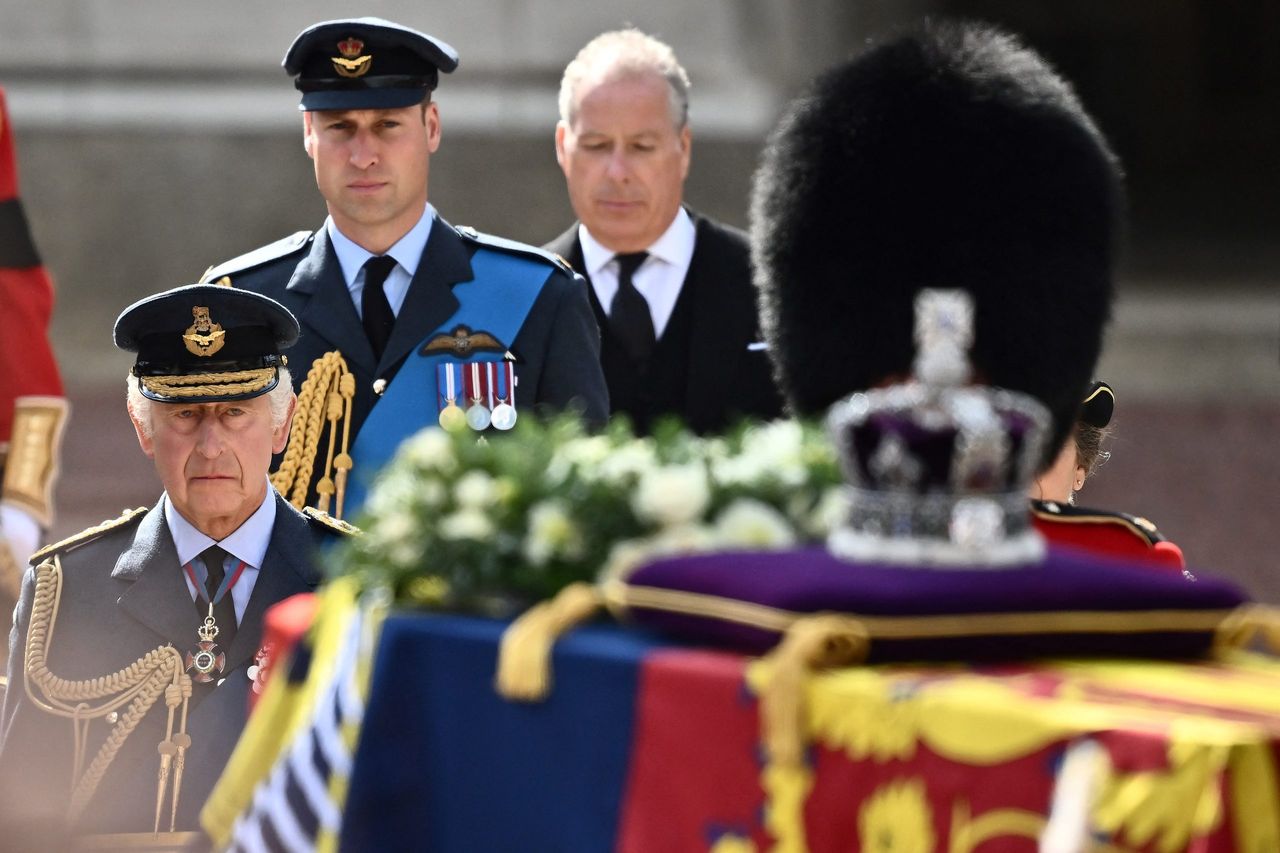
x=813, y=642
x=524, y=657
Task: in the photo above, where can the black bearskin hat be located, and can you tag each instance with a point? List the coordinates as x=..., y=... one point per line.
x=952, y=157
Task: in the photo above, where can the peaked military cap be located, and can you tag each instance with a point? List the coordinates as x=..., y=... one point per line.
x=951, y=156
x=1099, y=405
x=365, y=64
x=205, y=343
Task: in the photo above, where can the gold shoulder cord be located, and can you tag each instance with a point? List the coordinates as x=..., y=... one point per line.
x=138, y=685
x=325, y=400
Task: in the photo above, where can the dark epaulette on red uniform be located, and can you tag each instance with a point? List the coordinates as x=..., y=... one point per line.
x=251, y=260
x=1112, y=534
x=513, y=247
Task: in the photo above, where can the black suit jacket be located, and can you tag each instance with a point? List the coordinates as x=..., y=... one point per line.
x=123, y=595
x=726, y=379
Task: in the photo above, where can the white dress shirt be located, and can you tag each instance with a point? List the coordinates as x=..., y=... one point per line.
x=248, y=544
x=407, y=251
x=658, y=279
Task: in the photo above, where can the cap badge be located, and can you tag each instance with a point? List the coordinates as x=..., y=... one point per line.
x=351, y=63
x=203, y=337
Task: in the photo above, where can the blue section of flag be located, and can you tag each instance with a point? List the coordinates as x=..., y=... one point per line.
x=445, y=764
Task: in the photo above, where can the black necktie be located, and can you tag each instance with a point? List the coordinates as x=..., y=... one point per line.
x=629, y=315
x=224, y=612
x=374, y=307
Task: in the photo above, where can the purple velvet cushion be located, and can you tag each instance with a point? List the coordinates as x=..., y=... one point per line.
x=1068, y=605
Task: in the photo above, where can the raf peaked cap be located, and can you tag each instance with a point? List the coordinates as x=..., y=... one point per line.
x=365, y=64
x=954, y=157
x=205, y=343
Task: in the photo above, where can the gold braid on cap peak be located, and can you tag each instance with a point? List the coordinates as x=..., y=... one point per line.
x=136, y=689
x=204, y=384
x=324, y=400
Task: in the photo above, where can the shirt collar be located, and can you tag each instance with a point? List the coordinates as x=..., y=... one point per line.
x=247, y=543
x=407, y=250
x=675, y=246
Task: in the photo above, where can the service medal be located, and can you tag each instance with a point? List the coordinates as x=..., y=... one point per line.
x=504, y=416
x=476, y=376
x=502, y=383
x=452, y=417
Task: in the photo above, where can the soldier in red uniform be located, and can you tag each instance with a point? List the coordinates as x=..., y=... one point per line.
x=32, y=406
x=1053, y=508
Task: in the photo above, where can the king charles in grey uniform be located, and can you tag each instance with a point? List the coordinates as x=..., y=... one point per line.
x=134, y=642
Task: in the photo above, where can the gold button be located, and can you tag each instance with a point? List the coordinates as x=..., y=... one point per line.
x=112, y=717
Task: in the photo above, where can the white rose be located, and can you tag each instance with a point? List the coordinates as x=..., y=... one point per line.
x=552, y=533
x=475, y=489
x=431, y=493
x=627, y=462
x=392, y=493
x=672, y=495
x=777, y=447
x=754, y=525
x=395, y=527
x=738, y=470
x=432, y=449
x=466, y=524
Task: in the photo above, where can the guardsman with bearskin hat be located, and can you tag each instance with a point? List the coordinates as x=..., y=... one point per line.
x=406, y=320
x=952, y=157
x=135, y=642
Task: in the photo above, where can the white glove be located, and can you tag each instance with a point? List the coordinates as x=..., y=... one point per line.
x=21, y=533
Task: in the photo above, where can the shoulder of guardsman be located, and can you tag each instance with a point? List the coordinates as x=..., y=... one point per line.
x=122, y=524
x=328, y=527
x=263, y=261
x=1053, y=511
x=490, y=242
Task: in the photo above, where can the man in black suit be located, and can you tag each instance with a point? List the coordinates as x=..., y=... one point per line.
x=122, y=718
x=417, y=321
x=671, y=289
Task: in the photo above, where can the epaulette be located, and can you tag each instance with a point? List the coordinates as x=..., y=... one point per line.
x=256, y=258
x=1068, y=514
x=514, y=247
x=89, y=535
x=330, y=522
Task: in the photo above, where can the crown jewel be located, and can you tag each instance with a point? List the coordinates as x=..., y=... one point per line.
x=937, y=470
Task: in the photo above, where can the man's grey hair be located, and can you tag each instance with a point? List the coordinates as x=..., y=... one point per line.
x=278, y=397
x=624, y=53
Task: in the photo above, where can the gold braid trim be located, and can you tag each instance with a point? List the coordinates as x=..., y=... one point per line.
x=158, y=673
x=325, y=399
x=204, y=384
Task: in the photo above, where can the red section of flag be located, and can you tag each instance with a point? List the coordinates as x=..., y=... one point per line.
x=27, y=365
x=695, y=766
